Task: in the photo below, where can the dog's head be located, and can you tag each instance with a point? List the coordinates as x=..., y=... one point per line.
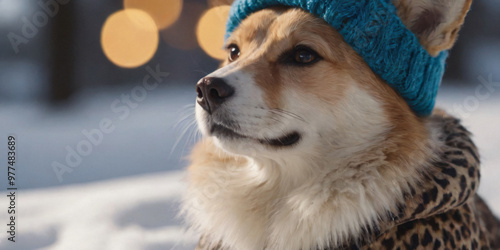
x=291, y=85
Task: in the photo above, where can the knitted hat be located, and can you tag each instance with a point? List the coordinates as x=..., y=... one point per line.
x=374, y=30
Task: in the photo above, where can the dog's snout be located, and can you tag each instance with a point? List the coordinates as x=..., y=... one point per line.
x=212, y=92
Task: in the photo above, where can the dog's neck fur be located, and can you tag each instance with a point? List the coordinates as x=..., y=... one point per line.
x=348, y=185
x=299, y=202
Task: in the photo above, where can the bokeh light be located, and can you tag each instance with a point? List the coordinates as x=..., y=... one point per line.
x=210, y=31
x=129, y=38
x=164, y=12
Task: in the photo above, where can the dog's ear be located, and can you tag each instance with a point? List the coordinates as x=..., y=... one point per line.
x=435, y=22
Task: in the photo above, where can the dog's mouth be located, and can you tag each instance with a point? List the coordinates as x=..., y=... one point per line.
x=284, y=141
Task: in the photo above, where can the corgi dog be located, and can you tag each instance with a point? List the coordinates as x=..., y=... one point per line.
x=305, y=147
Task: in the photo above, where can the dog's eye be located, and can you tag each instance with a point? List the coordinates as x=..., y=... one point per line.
x=234, y=52
x=305, y=56
x=299, y=56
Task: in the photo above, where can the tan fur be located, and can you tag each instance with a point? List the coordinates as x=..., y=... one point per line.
x=435, y=22
x=361, y=148
x=341, y=74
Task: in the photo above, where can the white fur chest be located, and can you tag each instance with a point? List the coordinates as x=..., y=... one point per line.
x=248, y=210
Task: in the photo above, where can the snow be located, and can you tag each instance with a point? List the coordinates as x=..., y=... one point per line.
x=125, y=193
x=130, y=213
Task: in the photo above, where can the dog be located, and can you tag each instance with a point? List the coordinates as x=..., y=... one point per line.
x=305, y=147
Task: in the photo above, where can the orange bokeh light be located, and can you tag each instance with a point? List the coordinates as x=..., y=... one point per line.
x=210, y=31
x=129, y=38
x=164, y=12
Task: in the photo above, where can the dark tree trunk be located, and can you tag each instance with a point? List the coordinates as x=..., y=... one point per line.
x=61, y=54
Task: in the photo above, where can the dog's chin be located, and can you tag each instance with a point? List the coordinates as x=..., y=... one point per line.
x=228, y=136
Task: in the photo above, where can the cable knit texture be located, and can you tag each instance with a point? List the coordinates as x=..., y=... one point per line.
x=378, y=35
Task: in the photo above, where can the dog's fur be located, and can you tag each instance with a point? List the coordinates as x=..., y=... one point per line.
x=361, y=148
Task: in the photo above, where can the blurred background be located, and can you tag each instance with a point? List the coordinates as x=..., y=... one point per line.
x=63, y=63
x=104, y=90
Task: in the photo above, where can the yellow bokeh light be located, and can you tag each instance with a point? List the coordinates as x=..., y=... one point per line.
x=129, y=38
x=164, y=12
x=210, y=31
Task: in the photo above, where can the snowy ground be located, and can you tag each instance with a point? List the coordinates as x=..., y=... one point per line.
x=125, y=193
x=129, y=213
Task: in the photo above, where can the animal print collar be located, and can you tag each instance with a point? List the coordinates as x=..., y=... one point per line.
x=451, y=182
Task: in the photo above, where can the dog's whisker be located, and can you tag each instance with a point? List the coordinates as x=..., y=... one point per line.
x=275, y=119
x=298, y=117
x=186, y=123
x=285, y=113
x=192, y=128
x=186, y=112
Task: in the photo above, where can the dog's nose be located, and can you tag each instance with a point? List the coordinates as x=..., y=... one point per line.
x=212, y=92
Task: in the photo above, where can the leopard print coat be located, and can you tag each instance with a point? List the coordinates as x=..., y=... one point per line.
x=442, y=212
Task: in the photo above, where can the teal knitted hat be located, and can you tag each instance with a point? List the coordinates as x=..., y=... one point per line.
x=376, y=33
